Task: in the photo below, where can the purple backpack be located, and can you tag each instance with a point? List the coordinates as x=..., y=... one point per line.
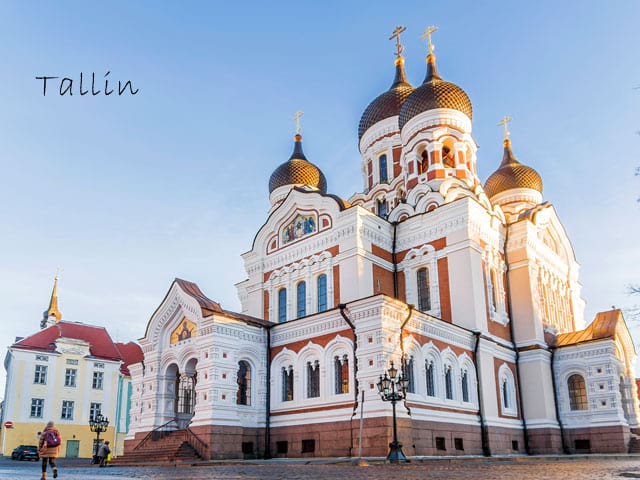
x=52, y=437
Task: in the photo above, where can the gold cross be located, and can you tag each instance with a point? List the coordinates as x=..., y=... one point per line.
x=427, y=35
x=59, y=270
x=504, y=122
x=296, y=118
x=396, y=34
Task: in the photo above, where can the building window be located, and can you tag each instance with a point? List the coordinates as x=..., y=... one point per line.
x=322, y=293
x=98, y=378
x=244, y=383
x=382, y=163
x=95, y=410
x=37, y=406
x=67, y=410
x=341, y=366
x=42, y=358
x=424, y=295
x=448, y=382
x=70, y=377
x=98, y=365
x=505, y=394
x=282, y=305
x=40, y=375
x=313, y=379
x=577, y=393
x=493, y=294
x=382, y=208
x=465, y=385
x=301, y=299
x=431, y=384
x=287, y=384
x=408, y=372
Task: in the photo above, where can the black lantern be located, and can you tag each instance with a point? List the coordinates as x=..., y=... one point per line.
x=392, y=388
x=98, y=424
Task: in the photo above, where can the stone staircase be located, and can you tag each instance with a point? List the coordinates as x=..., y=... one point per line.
x=169, y=447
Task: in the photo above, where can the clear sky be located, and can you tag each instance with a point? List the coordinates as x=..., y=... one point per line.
x=126, y=193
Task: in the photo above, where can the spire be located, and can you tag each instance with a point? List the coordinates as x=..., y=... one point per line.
x=432, y=70
x=52, y=311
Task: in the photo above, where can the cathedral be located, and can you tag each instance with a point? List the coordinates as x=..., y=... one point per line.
x=470, y=288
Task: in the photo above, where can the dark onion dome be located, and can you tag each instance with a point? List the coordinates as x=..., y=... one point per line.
x=298, y=171
x=388, y=104
x=434, y=93
x=511, y=174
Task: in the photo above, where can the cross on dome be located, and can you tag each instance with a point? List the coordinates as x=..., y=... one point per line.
x=505, y=123
x=296, y=118
x=427, y=36
x=396, y=34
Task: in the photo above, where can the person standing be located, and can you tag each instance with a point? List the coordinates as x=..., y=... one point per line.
x=103, y=453
x=49, y=449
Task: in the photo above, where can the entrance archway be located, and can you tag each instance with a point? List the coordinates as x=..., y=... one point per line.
x=185, y=397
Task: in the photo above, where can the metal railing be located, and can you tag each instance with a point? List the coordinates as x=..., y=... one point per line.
x=158, y=433
x=199, y=445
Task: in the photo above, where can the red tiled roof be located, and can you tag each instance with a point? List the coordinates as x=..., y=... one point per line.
x=603, y=326
x=130, y=353
x=100, y=343
x=207, y=305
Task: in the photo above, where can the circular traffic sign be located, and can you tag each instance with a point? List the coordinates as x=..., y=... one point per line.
x=8, y=424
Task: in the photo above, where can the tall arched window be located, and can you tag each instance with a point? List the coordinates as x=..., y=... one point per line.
x=322, y=293
x=301, y=299
x=408, y=372
x=448, y=382
x=505, y=394
x=431, y=383
x=341, y=366
x=382, y=163
x=287, y=383
x=494, y=289
x=282, y=305
x=464, y=377
x=244, y=383
x=313, y=379
x=577, y=393
x=424, y=295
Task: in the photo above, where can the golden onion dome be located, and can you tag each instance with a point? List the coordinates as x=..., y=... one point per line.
x=511, y=174
x=387, y=104
x=298, y=171
x=434, y=93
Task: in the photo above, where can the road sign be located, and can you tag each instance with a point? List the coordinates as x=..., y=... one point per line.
x=8, y=424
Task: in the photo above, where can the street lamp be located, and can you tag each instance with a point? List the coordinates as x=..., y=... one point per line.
x=98, y=424
x=392, y=388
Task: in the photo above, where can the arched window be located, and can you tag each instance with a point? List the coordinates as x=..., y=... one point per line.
x=448, y=382
x=322, y=293
x=493, y=279
x=301, y=299
x=244, y=383
x=341, y=367
x=282, y=305
x=424, y=295
x=382, y=208
x=408, y=372
x=577, y=392
x=505, y=394
x=382, y=163
x=431, y=384
x=313, y=379
x=507, y=385
x=424, y=164
x=464, y=377
x=287, y=383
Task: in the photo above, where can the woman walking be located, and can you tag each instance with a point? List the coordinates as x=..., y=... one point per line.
x=49, y=448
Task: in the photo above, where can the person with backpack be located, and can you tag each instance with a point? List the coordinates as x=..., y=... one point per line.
x=49, y=449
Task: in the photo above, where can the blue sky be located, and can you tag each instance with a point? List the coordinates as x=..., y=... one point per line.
x=126, y=193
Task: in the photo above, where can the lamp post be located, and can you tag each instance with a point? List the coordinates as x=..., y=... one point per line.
x=392, y=388
x=98, y=424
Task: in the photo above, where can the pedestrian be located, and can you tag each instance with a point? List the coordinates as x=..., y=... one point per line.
x=103, y=453
x=49, y=448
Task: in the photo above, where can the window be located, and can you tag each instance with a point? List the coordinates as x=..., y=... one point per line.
x=247, y=448
x=341, y=366
x=67, y=410
x=424, y=296
x=465, y=386
x=408, y=372
x=431, y=386
x=282, y=305
x=448, y=382
x=42, y=358
x=244, y=383
x=440, y=443
x=98, y=378
x=382, y=208
x=98, y=365
x=40, y=374
x=313, y=379
x=95, y=410
x=287, y=384
x=494, y=289
x=382, y=163
x=282, y=447
x=301, y=299
x=458, y=443
x=70, y=377
x=308, y=446
x=577, y=393
x=322, y=293
x=505, y=394
x=37, y=406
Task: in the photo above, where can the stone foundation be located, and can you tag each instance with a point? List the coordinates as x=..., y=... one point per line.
x=545, y=441
x=613, y=439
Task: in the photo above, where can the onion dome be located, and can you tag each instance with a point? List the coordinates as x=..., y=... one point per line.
x=434, y=93
x=298, y=171
x=388, y=104
x=511, y=174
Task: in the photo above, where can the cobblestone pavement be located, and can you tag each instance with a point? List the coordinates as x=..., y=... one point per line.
x=521, y=469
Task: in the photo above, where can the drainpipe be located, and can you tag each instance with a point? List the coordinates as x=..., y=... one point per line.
x=403, y=357
x=356, y=384
x=394, y=260
x=565, y=449
x=525, y=431
x=267, y=430
x=484, y=431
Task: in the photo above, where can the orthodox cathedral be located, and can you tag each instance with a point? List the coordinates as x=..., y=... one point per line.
x=470, y=288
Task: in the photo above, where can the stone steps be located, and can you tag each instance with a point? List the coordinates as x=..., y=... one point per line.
x=171, y=448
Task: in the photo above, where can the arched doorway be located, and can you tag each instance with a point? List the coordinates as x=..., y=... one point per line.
x=185, y=393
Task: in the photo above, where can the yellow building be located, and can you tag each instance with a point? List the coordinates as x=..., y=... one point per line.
x=67, y=372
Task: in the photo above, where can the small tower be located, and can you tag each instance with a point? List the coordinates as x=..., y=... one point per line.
x=52, y=315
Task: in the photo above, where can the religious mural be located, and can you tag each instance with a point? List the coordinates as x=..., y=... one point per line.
x=186, y=329
x=300, y=226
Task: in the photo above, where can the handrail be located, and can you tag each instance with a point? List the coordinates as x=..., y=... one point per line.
x=153, y=432
x=199, y=445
